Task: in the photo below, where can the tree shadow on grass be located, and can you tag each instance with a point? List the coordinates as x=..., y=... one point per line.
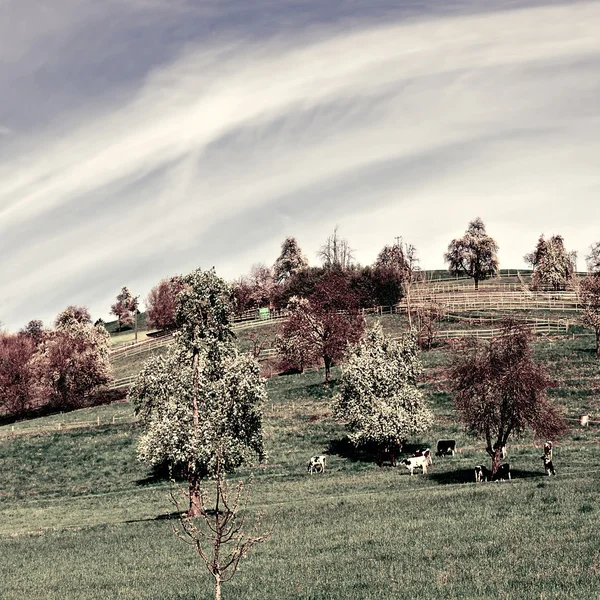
x=159, y=474
x=370, y=453
x=468, y=476
x=345, y=449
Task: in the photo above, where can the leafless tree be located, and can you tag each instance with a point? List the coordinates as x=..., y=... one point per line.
x=427, y=318
x=336, y=252
x=219, y=533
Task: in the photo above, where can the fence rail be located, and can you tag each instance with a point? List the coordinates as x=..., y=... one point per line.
x=66, y=426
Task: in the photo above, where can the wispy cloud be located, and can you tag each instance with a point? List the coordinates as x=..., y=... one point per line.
x=410, y=128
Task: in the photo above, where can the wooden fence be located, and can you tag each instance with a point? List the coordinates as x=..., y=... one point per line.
x=66, y=426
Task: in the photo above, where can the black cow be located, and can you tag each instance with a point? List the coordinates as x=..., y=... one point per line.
x=502, y=473
x=446, y=448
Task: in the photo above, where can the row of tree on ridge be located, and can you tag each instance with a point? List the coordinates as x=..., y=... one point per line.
x=383, y=283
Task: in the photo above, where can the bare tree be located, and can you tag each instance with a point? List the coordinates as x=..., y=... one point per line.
x=589, y=294
x=427, y=318
x=401, y=259
x=500, y=391
x=336, y=252
x=474, y=254
x=218, y=535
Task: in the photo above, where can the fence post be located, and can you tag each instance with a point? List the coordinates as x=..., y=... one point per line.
x=98, y=419
x=113, y=419
x=59, y=426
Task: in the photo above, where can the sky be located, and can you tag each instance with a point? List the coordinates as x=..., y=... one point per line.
x=145, y=138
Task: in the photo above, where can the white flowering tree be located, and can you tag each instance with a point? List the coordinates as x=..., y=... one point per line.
x=379, y=399
x=203, y=397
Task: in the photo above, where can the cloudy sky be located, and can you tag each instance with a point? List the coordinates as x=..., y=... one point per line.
x=144, y=138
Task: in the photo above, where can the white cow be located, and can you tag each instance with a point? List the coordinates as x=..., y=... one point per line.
x=316, y=464
x=421, y=460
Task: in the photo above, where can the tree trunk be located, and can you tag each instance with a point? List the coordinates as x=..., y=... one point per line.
x=476, y=283
x=597, y=342
x=327, y=361
x=217, y=586
x=194, y=492
x=496, y=459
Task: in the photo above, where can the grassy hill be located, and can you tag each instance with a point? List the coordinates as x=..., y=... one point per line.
x=82, y=518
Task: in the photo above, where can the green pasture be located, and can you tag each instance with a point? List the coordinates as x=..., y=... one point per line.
x=80, y=517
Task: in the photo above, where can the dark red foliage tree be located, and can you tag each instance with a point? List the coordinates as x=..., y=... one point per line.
x=243, y=298
x=161, y=303
x=72, y=362
x=327, y=323
x=500, y=391
x=301, y=284
x=124, y=308
x=17, y=377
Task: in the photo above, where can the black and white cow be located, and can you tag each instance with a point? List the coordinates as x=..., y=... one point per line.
x=420, y=459
x=484, y=474
x=481, y=474
x=446, y=448
x=316, y=464
x=503, y=473
x=547, y=458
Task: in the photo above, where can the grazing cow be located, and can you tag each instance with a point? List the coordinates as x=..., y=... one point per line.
x=316, y=464
x=481, y=474
x=502, y=473
x=414, y=462
x=446, y=447
x=547, y=458
x=426, y=452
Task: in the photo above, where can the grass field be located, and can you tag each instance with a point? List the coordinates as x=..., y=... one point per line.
x=80, y=517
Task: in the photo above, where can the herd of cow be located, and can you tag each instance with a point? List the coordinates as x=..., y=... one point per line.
x=421, y=459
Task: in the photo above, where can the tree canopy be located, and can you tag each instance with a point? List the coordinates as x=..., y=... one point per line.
x=323, y=326
x=552, y=264
x=124, y=308
x=290, y=261
x=593, y=258
x=589, y=294
x=203, y=396
x=161, y=303
x=72, y=361
x=474, y=254
x=379, y=399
